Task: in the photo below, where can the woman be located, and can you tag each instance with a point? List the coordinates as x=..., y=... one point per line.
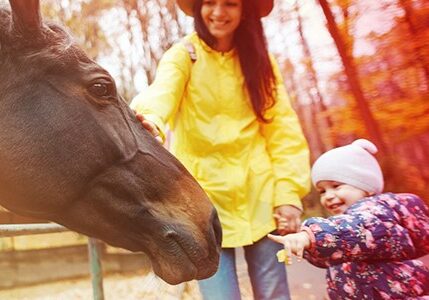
x=236, y=132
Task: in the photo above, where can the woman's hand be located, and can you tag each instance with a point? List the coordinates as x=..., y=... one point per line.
x=288, y=219
x=150, y=126
x=294, y=243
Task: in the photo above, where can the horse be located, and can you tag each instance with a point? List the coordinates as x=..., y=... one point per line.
x=73, y=152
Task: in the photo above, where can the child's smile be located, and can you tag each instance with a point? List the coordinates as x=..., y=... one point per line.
x=336, y=208
x=336, y=197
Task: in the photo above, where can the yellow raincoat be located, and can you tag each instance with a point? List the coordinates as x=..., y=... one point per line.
x=246, y=167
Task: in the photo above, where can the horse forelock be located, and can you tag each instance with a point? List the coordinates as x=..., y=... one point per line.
x=4, y=22
x=53, y=42
x=52, y=50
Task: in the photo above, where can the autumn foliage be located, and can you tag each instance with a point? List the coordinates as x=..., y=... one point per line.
x=369, y=76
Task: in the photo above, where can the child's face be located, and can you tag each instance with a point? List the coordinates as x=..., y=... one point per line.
x=336, y=197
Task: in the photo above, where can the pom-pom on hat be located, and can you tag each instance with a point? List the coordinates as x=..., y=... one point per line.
x=353, y=164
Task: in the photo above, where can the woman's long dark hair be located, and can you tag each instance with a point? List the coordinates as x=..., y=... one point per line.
x=251, y=45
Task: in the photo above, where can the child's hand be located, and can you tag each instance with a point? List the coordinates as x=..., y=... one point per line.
x=294, y=243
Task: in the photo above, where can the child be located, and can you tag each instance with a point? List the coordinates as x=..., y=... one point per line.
x=371, y=244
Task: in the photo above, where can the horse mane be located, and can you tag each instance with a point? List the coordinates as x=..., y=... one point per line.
x=4, y=22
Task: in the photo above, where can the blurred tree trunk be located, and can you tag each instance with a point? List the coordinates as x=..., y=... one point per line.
x=168, y=29
x=88, y=34
x=150, y=57
x=322, y=125
x=420, y=58
x=352, y=77
x=151, y=28
x=345, y=28
x=306, y=117
x=297, y=85
x=128, y=70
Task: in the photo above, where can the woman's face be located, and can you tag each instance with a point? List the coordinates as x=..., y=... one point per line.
x=336, y=197
x=222, y=18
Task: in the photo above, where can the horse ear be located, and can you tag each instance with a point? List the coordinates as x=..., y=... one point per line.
x=26, y=15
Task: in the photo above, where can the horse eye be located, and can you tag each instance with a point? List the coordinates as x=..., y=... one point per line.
x=101, y=89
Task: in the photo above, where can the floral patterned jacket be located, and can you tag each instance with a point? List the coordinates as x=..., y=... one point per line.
x=371, y=249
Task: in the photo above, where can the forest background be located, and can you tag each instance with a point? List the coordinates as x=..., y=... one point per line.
x=353, y=68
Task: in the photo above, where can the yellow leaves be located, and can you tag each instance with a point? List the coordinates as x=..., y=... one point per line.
x=399, y=120
x=402, y=119
x=283, y=257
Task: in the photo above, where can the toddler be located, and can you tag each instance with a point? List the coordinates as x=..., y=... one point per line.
x=371, y=243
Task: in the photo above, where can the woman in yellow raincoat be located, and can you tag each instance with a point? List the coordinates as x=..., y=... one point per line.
x=221, y=94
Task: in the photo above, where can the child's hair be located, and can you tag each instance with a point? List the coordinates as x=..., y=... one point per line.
x=352, y=164
x=251, y=45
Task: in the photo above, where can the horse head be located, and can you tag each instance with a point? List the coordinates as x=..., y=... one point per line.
x=72, y=151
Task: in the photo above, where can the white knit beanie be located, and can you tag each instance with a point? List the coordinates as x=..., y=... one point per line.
x=353, y=164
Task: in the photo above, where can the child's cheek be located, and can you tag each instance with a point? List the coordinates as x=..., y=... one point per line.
x=323, y=202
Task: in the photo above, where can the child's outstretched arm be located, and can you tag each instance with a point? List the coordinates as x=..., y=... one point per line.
x=382, y=227
x=386, y=227
x=294, y=243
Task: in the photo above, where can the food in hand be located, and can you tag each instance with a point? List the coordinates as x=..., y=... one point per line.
x=283, y=257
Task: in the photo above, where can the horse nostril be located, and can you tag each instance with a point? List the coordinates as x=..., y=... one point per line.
x=170, y=234
x=216, y=227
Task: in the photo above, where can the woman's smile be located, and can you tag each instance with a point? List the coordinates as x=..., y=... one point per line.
x=222, y=18
x=218, y=22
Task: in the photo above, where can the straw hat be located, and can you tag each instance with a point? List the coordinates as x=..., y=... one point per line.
x=265, y=6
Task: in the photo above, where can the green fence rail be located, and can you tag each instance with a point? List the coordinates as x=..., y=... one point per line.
x=11, y=230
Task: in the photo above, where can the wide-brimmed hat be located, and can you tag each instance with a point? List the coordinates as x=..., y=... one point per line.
x=265, y=6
